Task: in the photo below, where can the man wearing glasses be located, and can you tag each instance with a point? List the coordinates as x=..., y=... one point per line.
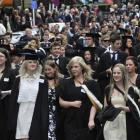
x=111, y=56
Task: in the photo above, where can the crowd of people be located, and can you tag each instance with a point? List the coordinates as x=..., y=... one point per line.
x=78, y=83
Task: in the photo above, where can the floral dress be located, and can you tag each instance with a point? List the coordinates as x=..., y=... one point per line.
x=52, y=114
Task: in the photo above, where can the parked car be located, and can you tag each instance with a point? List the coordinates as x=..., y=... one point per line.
x=17, y=35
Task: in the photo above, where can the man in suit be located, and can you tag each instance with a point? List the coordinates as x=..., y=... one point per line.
x=28, y=35
x=55, y=55
x=111, y=56
x=46, y=43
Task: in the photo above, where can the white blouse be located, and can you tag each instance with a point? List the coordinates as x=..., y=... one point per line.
x=28, y=91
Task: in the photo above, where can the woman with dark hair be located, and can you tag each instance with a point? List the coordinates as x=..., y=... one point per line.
x=127, y=46
x=55, y=126
x=6, y=82
x=90, y=58
x=131, y=67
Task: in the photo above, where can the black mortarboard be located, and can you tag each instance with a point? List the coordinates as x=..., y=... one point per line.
x=21, y=44
x=93, y=35
x=127, y=37
x=30, y=54
x=85, y=5
x=90, y=49
x=134, y=111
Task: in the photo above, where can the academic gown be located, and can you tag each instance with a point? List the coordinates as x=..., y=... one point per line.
x=138, y=81
x=105, y=63
x=39, y=124
x=6, y=83
x=76, y=119
x=132, y=118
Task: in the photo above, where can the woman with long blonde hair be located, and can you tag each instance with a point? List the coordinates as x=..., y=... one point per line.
x=79, y=113
x=28, y=102
x=118, y=93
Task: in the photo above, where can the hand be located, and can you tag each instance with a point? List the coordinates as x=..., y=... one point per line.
x=91, y=124
x=76, y=104
x=124, y=108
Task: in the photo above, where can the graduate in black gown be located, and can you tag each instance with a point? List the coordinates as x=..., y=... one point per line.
x=6, y=81
x=90, y=41
x=111, y=56
x=28, y=118
x=79, y=123
x=90, y=58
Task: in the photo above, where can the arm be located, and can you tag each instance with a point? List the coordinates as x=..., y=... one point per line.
x=67, y=104
x=125, y=108
x=91, y=123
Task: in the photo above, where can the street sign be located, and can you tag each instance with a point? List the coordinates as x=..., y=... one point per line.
x=34, y=4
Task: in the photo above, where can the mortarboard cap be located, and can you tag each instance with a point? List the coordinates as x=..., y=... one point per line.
x=93, y=35
x=21, y=44
x=84, y=49
x=30, y=54
x=90, y=49
x=127, y=37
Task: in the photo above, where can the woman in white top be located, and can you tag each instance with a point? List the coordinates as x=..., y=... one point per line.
x=28, y=106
